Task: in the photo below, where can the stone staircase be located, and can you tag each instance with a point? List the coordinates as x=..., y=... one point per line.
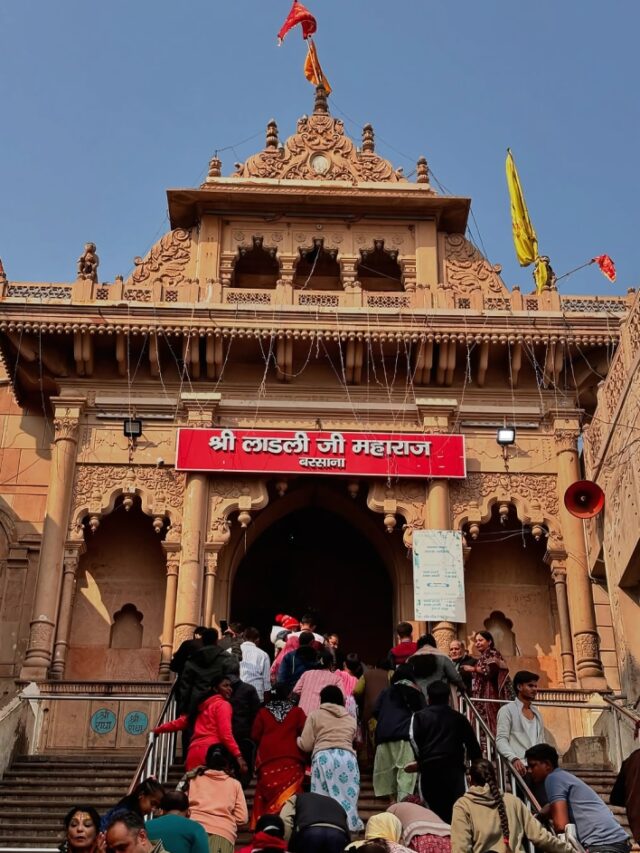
x=37, y=791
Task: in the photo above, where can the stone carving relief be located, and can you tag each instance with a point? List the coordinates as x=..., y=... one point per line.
x=566, y=439
x=319, y=150
x=96, y=488
x=528, y=491
x=587, y=647
x=166, y=261
x=466, y=269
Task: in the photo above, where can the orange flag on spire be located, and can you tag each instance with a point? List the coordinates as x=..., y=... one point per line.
x=298, y=15
x=313, y=70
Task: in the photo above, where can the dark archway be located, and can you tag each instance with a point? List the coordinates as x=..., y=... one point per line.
x=314, y=559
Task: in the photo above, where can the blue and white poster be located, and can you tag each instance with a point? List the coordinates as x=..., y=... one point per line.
x=438, y=576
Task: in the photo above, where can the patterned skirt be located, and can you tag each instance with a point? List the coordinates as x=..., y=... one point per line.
x=277, y=781
x=335, y=773
x=430, y=844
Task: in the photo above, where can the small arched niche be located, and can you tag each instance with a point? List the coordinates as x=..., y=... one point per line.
x=126, y=630
x=318, y=268
x=502, y=631
x=256, y=266
x=379, y=269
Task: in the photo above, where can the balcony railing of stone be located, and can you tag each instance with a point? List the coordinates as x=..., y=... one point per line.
x=210, y=292
x=611, y=394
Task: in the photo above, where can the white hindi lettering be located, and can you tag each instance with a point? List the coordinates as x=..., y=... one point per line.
x=224, y=443
x=380, y=448
x=265, y=444
x=333, y=444
x=321, y=462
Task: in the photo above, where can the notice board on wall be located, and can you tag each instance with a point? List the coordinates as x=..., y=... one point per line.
x=438, y=576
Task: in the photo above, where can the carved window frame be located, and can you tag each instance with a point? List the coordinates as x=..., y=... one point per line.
x=242, y=250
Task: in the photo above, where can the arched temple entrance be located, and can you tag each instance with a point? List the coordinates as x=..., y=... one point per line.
x=315, y=559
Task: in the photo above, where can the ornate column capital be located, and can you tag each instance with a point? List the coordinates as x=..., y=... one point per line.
x=71, y=558
x=566, y=440
x=66, y=417
x=172, y=557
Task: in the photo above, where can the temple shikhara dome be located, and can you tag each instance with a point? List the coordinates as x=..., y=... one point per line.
x=301, y=379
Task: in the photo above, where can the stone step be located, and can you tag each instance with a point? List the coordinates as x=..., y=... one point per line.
x=39, y=771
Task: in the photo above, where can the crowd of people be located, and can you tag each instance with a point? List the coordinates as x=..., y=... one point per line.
x=304, y=723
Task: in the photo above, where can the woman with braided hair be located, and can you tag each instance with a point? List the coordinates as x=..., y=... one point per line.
x=486, y=820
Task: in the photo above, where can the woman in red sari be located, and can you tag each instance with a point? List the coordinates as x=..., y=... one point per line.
x=490, y=678
x=280, y=765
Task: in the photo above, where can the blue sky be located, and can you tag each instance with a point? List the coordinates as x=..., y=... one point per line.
x=105, y=105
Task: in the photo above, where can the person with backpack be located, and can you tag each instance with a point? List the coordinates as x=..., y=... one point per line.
x=205, y=665
x=393, y=711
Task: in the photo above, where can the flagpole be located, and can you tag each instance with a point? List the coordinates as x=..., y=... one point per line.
x=571, y=272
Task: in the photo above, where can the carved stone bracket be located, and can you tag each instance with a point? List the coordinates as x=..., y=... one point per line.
x=226, y=496
x=407, y=498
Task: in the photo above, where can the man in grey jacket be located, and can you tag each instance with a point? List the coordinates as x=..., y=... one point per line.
x=519, y=723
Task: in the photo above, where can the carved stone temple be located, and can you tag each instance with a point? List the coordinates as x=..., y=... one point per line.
x=314, y=289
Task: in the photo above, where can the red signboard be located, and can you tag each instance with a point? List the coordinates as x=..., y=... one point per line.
x=354, y=454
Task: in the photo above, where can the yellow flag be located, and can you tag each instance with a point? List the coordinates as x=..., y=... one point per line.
x=524, y=236
x=313, y=70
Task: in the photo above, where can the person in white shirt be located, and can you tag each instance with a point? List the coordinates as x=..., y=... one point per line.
x=255, y=665
x=520, y=725
x=308, y=623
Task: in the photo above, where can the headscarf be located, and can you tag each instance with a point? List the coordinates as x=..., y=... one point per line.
x=279, y=708
x=383, y=825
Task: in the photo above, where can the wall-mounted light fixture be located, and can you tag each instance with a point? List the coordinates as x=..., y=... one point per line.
x=132, y=428
x=506, y=436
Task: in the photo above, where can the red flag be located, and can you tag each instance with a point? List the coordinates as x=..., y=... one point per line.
x=298, y=15
x=607, y=267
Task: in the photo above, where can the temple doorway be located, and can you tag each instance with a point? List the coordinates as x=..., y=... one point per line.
x=314, y=559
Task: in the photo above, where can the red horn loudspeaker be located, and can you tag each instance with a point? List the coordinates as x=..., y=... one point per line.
x=584, y=499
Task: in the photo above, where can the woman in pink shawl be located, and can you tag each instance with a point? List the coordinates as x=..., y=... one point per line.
x=490, y=679
x=291, y=645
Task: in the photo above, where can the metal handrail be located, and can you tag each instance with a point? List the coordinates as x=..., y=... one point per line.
x=159, y=752
x=624, y=711
x=506, y=769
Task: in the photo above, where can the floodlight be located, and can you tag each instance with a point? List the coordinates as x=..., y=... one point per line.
x=132, y=428
x=506, y=435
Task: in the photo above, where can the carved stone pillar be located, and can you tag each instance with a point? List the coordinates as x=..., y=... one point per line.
x=210, y=572
x=70, y=565
x=190, y=577
x=66, y=424
x=580, y=597
x=172, y=551
x=559, y=575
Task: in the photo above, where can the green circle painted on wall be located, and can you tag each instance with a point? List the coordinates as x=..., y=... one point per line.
x=136, y=723
x=103, y=721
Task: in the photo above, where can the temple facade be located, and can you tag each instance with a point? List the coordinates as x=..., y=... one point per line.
x=314, y=290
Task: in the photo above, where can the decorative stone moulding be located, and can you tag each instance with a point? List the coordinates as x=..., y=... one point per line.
x=320, y=150
x=98, y=487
